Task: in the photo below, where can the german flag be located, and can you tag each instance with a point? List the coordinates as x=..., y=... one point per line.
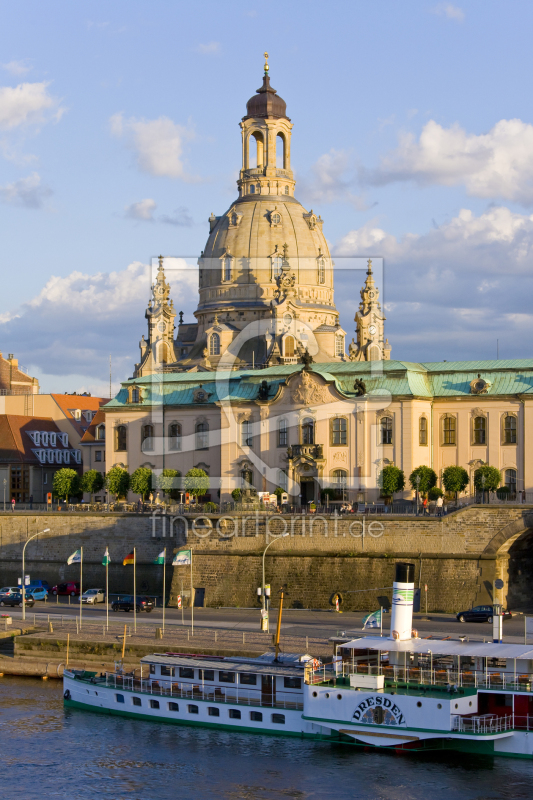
x=130, y=559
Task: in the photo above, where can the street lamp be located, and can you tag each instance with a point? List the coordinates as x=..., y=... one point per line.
x=46, y=530
x=283, y=535
x=417, y=481
x=5, y=484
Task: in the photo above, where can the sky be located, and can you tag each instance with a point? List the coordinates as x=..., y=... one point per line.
x=413, y=138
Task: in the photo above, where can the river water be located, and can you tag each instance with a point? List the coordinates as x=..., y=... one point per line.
x=47, y=753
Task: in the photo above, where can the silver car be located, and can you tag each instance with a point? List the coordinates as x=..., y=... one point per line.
x=93, y=596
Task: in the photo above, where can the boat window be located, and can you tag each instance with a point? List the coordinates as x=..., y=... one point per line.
x=226, y=677
x=154, y=703
x=168, y=671
x=279, y=719
x=136, y=701
x=207, y=674
x=152, y=669
x=213, y=711
x=256, y=716
x=173, y=707
x=292, y=683
x=234, y=713
x=186, y=672
x=247, y=679
x=119, y=698
x=192, y=709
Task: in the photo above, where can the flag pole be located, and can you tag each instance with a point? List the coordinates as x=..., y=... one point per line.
x=192, y=601
x=134, y=591
x=81, y=581
x=164, y=571
x=107, y=588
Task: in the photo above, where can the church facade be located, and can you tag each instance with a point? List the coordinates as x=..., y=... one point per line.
x=261, y=392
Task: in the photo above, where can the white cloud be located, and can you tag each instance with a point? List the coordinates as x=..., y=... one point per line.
x=17, y=67
x=27, y=192
x=143, y=210
x=158, y=144
x=449, y=11
x=102, y=313
x=495, y=164
x=332, y=178
x=209, y=49
x=181, y=218
x=28, y=104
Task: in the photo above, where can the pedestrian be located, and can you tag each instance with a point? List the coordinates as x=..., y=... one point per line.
x=425, y=506
x=151, y=498
x=13, y=504
x=31, y=502
x=440, y=504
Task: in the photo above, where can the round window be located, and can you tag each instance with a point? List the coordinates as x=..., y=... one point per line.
x=327, y=694
x=314, y=694
x=276, y=219
x=439, y=705
x=161, y=327
x=339, y=697
x=287, y=319
x=419, y=704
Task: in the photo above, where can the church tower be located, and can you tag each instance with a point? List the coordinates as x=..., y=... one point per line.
x=158, y=350
x=369, y=319
x=266, y=274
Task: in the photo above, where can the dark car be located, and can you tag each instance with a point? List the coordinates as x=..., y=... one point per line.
x=128, y=603
x=480, y=614
x=16, y=600
x=72, y=588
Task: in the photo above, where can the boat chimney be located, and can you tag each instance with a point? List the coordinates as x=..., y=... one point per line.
x=401, y=623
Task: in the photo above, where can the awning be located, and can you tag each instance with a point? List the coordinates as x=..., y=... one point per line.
x=443, y=648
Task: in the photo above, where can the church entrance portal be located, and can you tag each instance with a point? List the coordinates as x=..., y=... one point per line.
x=307, y=491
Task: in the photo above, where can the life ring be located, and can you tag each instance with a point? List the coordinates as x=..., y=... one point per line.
x=333, y=599
x=66, y=696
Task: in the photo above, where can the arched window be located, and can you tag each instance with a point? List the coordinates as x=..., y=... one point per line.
x=174, y=436
x=423, y=431
x=282, y=433
x=286, y=190
x=385, y=427
x=252, y=189
x=308, y=431
x=510, y=480
x=247, y=478
x=339, y=481
x=121, y=438
x=283, y=480
x=288, y=347
x=246, y=433
x=509, y=429
x=374, y=353
x=214, y=344
x=135, y=395
x=339, y=345
x=100, y=432
x=163, y=353
x=277, y=264
x=147, y=438
x=226, y=268
x=202, y=436
x=339, y=431
x=448, y=430
x=480, y=430
x=259, y=150
x=281, y=156
x=321, y=270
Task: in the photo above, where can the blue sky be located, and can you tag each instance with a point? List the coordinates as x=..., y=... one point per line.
x=119, y=136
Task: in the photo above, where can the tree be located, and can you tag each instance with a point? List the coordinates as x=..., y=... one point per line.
x=236, y=494
x=92, y=482
x=435, y=493
x=487, y=479
x=168, y=481
x=66, y=483
x=455, y=479
x=118, y=481
x=196, y=482
x=392, y=480
x=428, y=479
x=141, y=481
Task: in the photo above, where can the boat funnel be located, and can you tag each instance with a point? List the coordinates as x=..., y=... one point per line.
x=403, y=588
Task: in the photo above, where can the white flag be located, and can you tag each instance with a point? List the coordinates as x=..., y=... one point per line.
x=75, y=558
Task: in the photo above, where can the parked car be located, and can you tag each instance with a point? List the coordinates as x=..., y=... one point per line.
x=71, y=588
x=127, y=603
x=93, y=596
x=15, y=600
x=480, y=614
x=10, y=590
x=37, y=592
x=38, y=584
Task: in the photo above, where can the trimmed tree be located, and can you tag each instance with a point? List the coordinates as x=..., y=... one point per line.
x=92, y=482
x=428, y=479
x=435, y=493
x=118, y=481
x=66, y=483
x=487, y=479
x=455, y=479
x=392, y=480
x=236, y=495
x=196, y=482
x=141, y=481
x=169, y=482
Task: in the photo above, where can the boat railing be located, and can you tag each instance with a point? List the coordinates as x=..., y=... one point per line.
x=198, y=692
x=483, y=723
x=436, y=676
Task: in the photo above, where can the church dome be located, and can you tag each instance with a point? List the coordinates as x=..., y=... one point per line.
x=266, y=103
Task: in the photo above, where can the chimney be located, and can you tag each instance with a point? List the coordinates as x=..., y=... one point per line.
x=401, y=623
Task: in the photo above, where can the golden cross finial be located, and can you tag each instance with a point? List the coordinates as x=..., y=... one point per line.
x=266, y=63
x=369, y=271
x=160, y=262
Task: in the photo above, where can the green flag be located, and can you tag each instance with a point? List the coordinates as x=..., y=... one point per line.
x=160, y=558
x=75, y=558
x=106, y=559
x=372, y=620
x=182, y=559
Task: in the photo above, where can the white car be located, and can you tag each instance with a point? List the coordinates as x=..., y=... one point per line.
x=93, y=596
x=11, y=590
